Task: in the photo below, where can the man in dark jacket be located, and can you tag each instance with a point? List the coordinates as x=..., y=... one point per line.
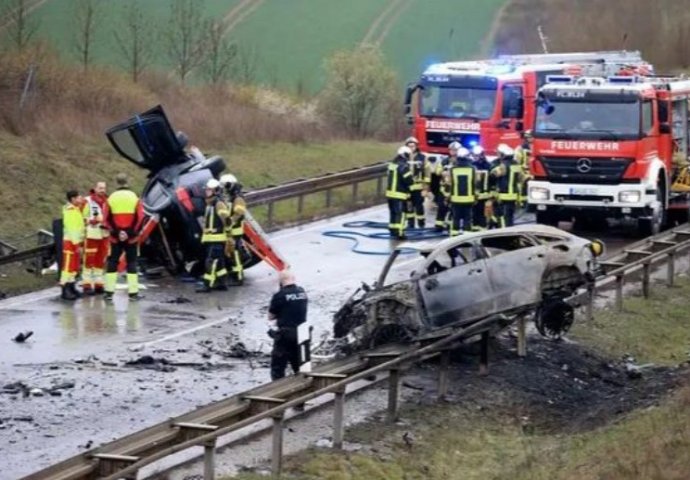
x=398, y=181
x=287, y=311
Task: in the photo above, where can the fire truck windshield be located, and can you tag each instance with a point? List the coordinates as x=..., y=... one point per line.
x=592, y=120
x=457, y=102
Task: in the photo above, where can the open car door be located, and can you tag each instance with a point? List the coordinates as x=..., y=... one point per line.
x=147, y=140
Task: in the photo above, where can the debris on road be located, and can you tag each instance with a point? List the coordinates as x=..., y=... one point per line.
x=22, y=337
x=178, y=300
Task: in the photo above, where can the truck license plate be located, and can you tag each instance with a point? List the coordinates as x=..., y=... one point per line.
x=584, y=191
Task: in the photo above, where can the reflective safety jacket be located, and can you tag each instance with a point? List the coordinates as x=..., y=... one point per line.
x=399, y=179
x=214, y=221
x=93, y=216
x=462, y=182
x=238, y=208
x=483, y=185
x=522, y=154
x=507, y=176
x=417, y=164
x=72, y=224
x=124, y=212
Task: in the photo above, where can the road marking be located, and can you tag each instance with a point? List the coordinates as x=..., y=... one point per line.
x=181, y=333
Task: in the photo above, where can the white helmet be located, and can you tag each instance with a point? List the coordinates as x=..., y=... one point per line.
x=404, y=151
x=505, y=150
x=477, y=150
x=213, y=184
x=463, y=152
x=454, y=146
x=412, y=140
x=227, y=180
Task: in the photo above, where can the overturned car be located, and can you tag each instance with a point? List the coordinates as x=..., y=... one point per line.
x=523, y=270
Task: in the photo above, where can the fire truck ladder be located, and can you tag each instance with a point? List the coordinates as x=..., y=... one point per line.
x=621, y=57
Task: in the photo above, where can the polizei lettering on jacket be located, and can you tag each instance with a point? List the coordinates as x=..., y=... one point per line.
x=452, y=126
x=293, y=297
x=587, y=146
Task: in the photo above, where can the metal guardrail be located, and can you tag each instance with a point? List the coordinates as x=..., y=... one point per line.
x=123, y=458
x=268, y=196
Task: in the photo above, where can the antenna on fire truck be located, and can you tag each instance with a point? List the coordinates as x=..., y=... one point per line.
x=543, y=38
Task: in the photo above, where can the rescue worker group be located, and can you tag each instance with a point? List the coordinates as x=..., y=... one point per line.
x=471, y=193
x=100, y=238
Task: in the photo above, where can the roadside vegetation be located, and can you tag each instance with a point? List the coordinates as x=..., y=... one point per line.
x=513, y=438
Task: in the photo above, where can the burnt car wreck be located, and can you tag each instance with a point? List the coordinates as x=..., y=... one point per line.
x=516, y=271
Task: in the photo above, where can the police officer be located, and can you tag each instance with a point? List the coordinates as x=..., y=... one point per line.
x=462, y=193
x=398, y=191
x=415, y=210
x=481, y=214
x=506, y=180
x=522, y=156
x=214, y=238
x=232, y=190
x=287, y=311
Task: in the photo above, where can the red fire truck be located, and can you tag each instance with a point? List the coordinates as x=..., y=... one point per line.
x=611, y=147
x=488, y=102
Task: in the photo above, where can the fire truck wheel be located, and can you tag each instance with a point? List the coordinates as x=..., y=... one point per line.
x=648, y=226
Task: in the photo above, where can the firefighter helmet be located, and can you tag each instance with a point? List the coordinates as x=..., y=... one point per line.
x=213, y=184
x=463, y=152
x=411, y=140
x=477, y=150
x=454, y=146
x=230, y=183
x=505, y=150
x=404, y=151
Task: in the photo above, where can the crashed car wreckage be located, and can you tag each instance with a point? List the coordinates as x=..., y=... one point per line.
x=512, y=272
x=173, y=196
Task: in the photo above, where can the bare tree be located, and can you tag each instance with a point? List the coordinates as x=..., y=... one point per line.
x=15, y=19
x=186, y=36
x=87, y=15
x=220, y=53
x=135, y=40
x=245, y=67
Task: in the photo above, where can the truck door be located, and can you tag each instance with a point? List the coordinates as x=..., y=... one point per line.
x=512, y=112
x=679, y=116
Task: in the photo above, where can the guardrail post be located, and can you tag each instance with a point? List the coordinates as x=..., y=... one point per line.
x=338, y=419
x=645, y=279
x=393, y=394
x=300, y=205
x=329, y=198
x=379, y=187
x=443, y=374
x=619, y=292
x=277, y=453
x=522, y=336
x=671, y=269
x=269, y=214
x=590, y=301
x=210, y=460
x=484, y=354
x=355, y=188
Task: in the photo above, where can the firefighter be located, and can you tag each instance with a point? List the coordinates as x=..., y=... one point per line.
x=214, y=238
x=506, y=177
x=522, y=155
x=442, y=200
x=434, y=177
x=287, y=311
x=72, y=238
x=96, y=244
x=415, y=206
x=123, y=217
x=482, y=212
x=462, y=178
x=398, y=191
x=232, y=190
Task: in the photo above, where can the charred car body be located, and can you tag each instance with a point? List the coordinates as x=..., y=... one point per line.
x=173, y=197
x=514, y=271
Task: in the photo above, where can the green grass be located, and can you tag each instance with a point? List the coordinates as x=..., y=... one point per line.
x=293, y=38
x=651, y=330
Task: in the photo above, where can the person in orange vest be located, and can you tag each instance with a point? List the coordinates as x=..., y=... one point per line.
x=96, y=244
x=72, y=238
x=123, y=217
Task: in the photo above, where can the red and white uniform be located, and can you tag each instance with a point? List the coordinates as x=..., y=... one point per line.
x=96, y=244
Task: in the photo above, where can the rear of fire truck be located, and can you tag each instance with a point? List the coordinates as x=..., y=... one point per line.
x=611, y=147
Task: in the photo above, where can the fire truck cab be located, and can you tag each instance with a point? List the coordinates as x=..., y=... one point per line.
x=611, y=147
x=487, y=102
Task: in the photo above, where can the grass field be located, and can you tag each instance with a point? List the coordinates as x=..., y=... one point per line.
x=291, y=39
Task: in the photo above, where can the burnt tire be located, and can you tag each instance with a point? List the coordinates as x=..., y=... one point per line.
x=389, y=334
x=554, y=318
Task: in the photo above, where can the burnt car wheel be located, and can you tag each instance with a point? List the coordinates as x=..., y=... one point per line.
x=390, y=333
x=554, y=318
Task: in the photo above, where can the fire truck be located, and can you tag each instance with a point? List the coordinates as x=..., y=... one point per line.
x=611, y=147
x=488, y=102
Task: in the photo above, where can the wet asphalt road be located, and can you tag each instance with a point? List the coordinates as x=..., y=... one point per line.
x=86, y=345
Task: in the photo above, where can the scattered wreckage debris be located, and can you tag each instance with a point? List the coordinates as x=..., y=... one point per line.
x=179, y=300
x=149, y=362
x=22, y=337
x=21, y=388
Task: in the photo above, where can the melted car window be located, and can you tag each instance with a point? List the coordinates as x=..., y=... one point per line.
x=452, y=257
x=505, y=243
x=548, y=238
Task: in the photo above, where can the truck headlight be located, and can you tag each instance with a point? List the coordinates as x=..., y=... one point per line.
x=629, y=196
x=538, y=193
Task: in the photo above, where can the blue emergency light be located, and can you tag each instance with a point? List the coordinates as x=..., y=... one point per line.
x=622, y=79
x=470, y=141
x=559, y=79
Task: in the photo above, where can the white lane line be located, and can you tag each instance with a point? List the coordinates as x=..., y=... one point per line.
x=181, y=333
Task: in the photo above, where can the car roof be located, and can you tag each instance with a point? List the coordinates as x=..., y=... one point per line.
x=533, y=229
